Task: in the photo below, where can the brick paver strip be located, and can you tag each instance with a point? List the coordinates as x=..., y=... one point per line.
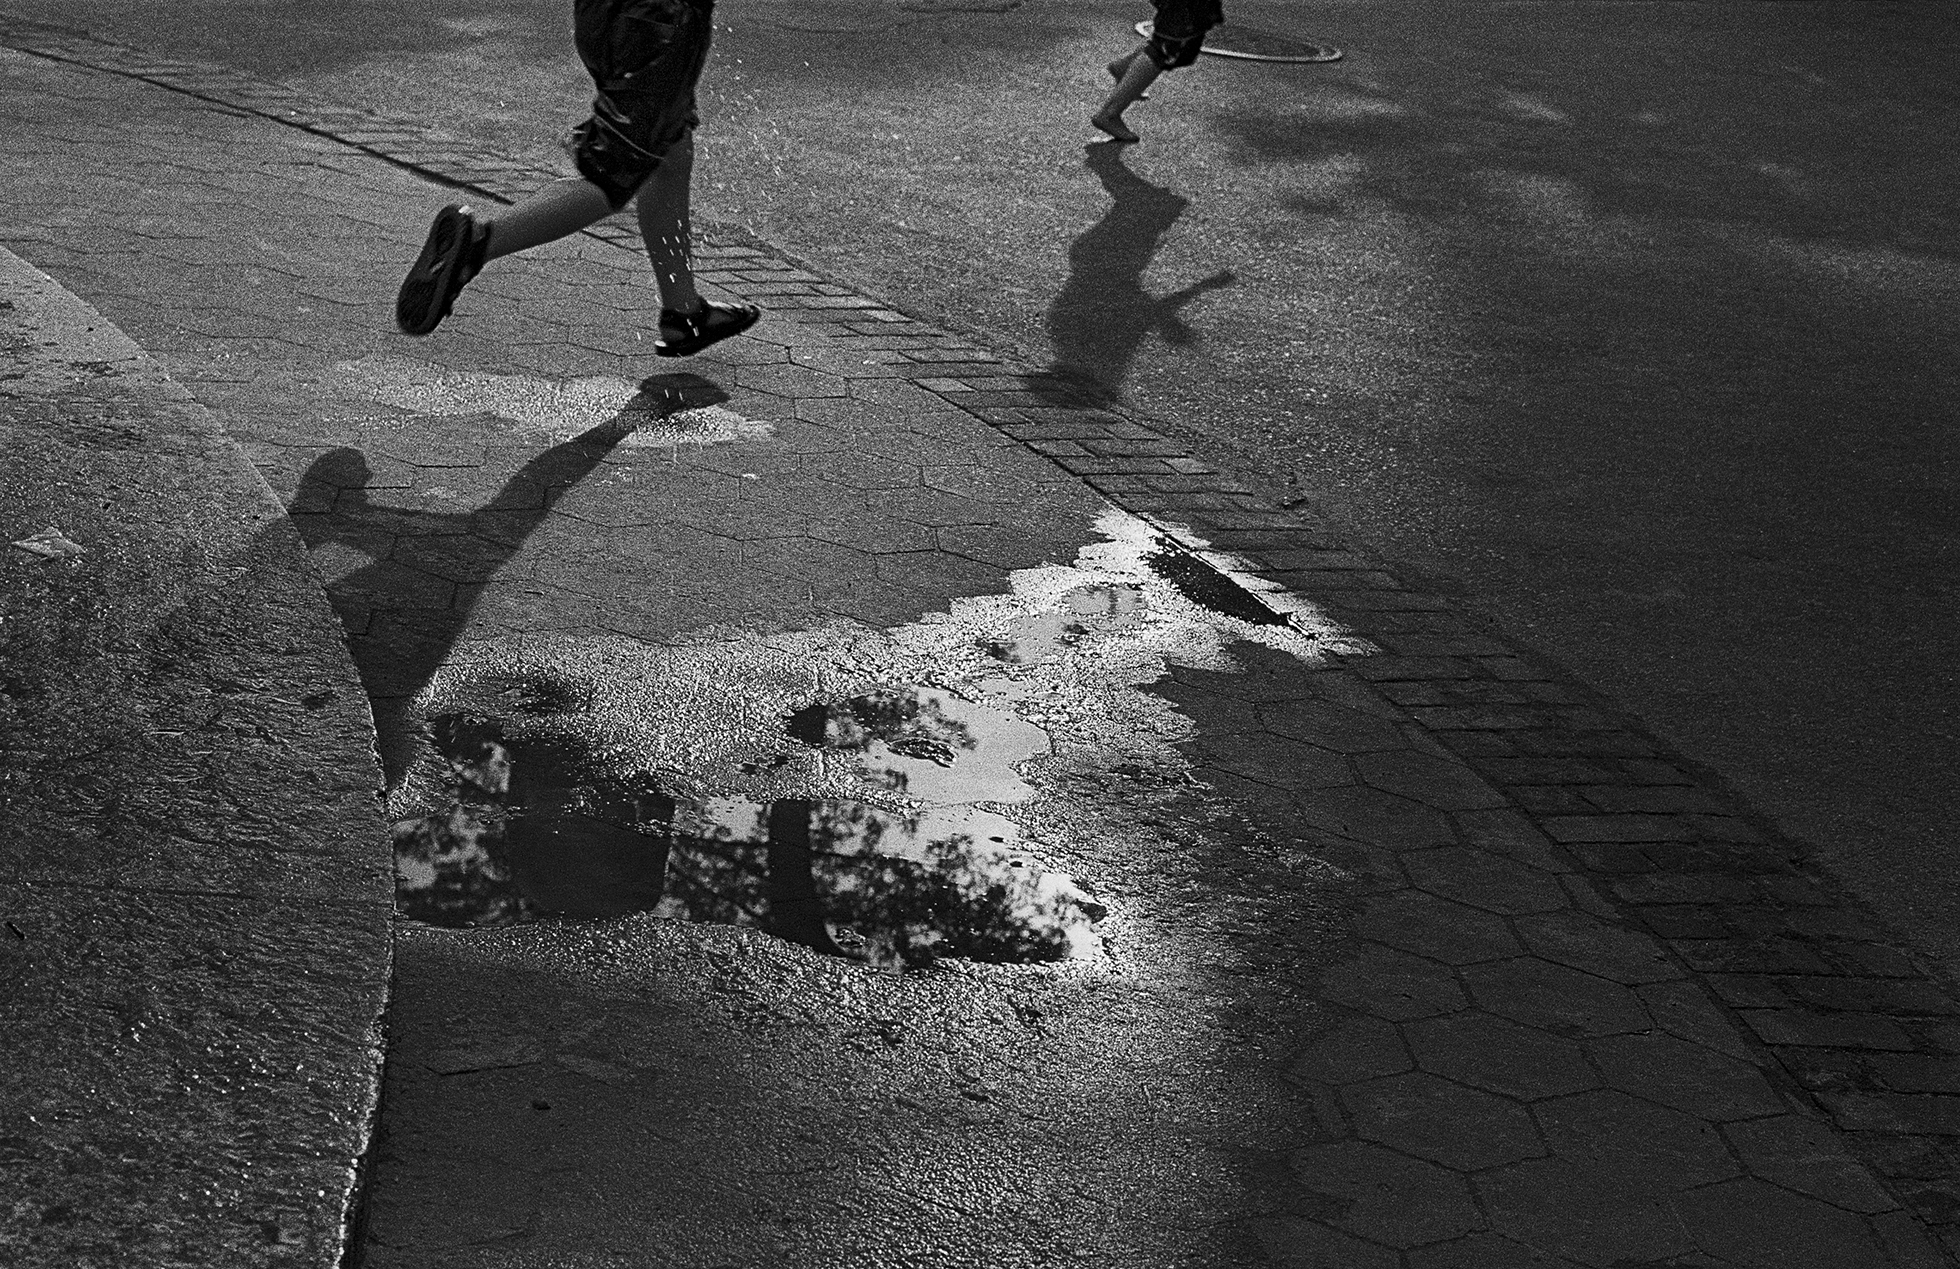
x=1795, y=959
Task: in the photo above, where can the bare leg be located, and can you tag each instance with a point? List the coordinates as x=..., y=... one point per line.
x=1138, y=75
x=666, y=228
x=560, y=208
x=1121, y=64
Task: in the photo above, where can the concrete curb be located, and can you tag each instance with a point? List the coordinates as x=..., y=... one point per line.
x=194, y=871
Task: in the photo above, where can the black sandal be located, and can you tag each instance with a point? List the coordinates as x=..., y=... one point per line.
x=452, y=255
x=710, y=325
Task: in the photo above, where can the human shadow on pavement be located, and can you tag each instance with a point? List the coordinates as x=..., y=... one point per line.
x=1102, y=313
x=405, y=608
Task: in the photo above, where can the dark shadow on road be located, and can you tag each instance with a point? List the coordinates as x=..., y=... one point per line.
x=404, y=610
x=1103, y=313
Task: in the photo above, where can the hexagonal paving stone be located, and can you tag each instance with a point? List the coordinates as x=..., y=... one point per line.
x=841, y=412
x=1339, y=686
x=1449, y=932
x=1197, y=695
x=456, y=557
x=1511, y=834
x=1003, y=546
x=1636, y=1145
x=1283, y=764
x=878, y=536
x=1486, y=1251
x=850, y=363
x=1618, y=952
x=1807, y=1156
x=1687, y=1010
x=937, y=573
x=860, y=471
x=1752, y=1223
x=1485, y=880
x=795, y=382
x=1369, y=869
x=936, y=509
x=1492, y=1053
x=1578, y=1213
x=1378, y=818
x=387, y=584
x=1669, y=1070
x=1294, y=1242
x=1331, y=726
x=1392, y=985
x=1350, y=1049
x=1559, y=1000
x=1386, y=1196
x=1433, y=781
x=1427, y=1116
x=984, y=484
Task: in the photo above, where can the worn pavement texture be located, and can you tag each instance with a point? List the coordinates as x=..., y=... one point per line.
x=1419, y=954
x=193, y=867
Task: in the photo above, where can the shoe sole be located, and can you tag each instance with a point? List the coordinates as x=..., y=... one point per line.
x=433, y=281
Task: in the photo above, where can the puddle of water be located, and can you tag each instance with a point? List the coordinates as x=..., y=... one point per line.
x=864, y=792
x=539, y=823
x=1042, y=636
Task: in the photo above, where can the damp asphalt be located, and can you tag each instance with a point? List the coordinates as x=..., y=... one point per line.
x=857, y=800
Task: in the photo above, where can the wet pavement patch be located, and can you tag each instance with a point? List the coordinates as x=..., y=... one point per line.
x=896, y=796
x=1208, y=588
x=539, y=824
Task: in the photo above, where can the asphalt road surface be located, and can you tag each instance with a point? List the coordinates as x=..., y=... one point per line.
x=1628, y=324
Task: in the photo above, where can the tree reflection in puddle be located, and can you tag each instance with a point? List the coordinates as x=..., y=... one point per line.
x=538, y=825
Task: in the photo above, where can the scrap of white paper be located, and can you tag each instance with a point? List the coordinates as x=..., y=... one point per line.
x=50, y=543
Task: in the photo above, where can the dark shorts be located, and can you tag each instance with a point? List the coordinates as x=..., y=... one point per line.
x=1178, y=31
x=645, y=57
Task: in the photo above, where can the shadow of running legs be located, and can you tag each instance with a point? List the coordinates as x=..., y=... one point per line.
x=405, y=608
x=1102, y=313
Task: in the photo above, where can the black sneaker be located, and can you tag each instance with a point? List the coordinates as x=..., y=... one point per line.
x=452, y=256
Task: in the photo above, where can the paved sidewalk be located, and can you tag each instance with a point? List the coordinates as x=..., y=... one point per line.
x=193, y=869
x=1420, y=955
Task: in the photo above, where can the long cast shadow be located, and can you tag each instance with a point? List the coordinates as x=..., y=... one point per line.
x=1101, y=315
x=404, y=610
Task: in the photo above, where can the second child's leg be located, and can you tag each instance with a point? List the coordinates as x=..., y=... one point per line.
x=1140, y=72
x=1122, y=64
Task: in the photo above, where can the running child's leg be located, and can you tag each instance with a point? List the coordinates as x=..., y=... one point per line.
x=462, y=240
x=665, y=226
x=688, y=323
x=1139, y=72
x=1121, y=64
x=560, y=208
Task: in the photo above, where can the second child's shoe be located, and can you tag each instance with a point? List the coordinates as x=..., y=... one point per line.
x=710, y=324
x=452, y=256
